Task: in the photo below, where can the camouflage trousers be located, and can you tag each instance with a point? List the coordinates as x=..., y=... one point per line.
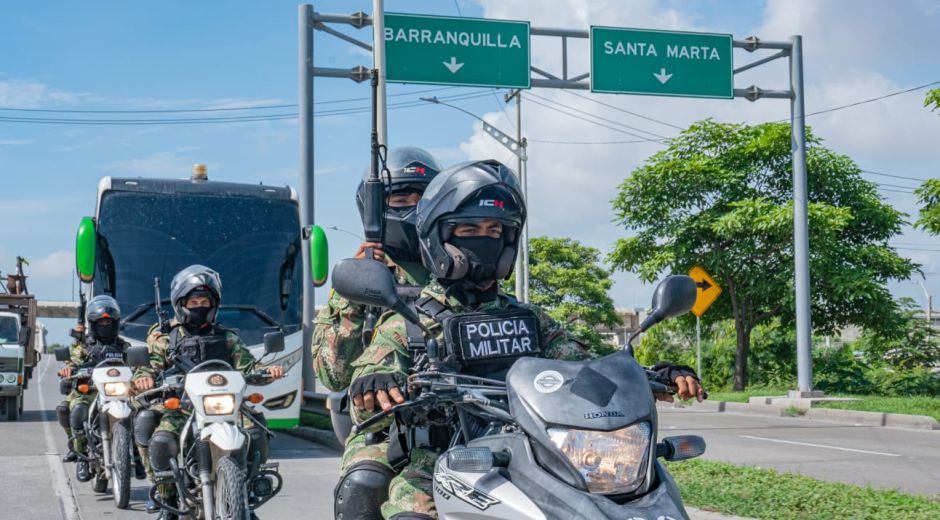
x=411, y=489
x=74, y=399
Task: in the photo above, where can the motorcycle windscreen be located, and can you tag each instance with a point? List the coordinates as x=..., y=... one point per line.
x=602, y=394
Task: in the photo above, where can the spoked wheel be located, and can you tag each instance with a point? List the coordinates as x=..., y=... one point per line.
x=231, y=497
x=122, y=460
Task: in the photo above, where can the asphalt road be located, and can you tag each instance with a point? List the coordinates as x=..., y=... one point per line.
x=38, y=486
x=890, y=458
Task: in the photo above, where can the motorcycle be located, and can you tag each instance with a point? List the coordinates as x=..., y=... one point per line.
x=555, y=440
x=218, y=472
x=109, y=448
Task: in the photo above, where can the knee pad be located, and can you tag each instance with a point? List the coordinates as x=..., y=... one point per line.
x=145, y=422
x=62, y=413
x=163, y=447
x=77, y=416
x=362, y=491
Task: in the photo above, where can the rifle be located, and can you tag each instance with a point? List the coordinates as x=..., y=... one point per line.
x=158, y=307
x=82, y=306
x=373, y=219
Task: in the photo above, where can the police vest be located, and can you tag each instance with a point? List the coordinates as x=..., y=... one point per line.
x=190, y=350
x=482, y=343
x=98, y=352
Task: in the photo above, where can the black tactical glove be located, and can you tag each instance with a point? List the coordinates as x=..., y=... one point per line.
x=372, y=383
x=670, y=372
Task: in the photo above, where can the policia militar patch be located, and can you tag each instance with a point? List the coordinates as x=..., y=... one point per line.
x=488, y=335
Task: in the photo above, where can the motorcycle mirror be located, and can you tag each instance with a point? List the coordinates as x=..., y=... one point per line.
x=274, y=342
x=681, y=447
x=674, y=296
x=85, y=244
x=138, y=356
x=62, y=354
x=370, y=282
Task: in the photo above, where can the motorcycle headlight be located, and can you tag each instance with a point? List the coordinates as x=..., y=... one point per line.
x=117, y=389
x=222, y=404
x=610, y=462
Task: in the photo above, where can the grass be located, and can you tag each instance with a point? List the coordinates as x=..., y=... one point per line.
x=920, y=405
x=769, y=495
x=315, y=421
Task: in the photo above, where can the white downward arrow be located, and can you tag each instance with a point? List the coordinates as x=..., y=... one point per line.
x=662, y=76
x=453, y=66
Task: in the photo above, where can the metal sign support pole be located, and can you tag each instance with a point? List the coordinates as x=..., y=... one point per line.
x=698, y=347
x=378, y=62
x=305, y=132
x=804, y=331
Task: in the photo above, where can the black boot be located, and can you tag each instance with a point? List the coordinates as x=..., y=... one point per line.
x=81, y=471
x=139, y=472
x=70, y=456
x=151, y=504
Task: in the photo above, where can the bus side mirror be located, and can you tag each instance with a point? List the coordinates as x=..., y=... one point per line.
x=85, y=243
x=319, y=256
x=25, y=334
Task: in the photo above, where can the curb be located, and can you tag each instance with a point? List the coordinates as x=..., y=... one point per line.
x=858, y=418
x=699, y=514
x=325, y=438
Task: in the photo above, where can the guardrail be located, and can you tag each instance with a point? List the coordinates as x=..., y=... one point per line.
x=315, y=402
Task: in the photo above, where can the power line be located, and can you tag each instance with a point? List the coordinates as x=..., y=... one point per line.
x=548, y=141
x=615, y=129
x=895, y=176
x=618, y=123
x=615, y=107
x=864, y=101
x=221, y=109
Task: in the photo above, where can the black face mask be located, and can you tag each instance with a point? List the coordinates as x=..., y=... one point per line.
x=105, y=333
x=482, y=255
x=199, y=317
x=401, y=235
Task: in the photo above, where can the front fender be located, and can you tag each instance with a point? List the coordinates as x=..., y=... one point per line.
x=117, y=409
x=225, y=436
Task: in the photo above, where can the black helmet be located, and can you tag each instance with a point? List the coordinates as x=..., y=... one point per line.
x=103, y=307
x=410, y=169
x=195, y=280
x=469, y=192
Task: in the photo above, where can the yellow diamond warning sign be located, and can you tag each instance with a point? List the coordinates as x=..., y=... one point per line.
x=707, y=290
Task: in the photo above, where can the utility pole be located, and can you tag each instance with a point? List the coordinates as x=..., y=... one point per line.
x=929, y=308
x=305, y=133
x=522, y=259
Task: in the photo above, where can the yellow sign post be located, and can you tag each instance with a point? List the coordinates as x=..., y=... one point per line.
x=707, y=291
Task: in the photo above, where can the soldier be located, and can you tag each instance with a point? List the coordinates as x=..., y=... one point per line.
x=101, y=343
x=469, y=223
x=195, y=293
x=338, y=336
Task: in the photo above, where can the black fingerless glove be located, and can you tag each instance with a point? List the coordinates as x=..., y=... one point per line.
x=669, y=372
x=372, y=383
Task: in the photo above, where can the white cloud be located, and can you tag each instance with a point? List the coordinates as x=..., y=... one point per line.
x=24, y=93
x=55, y=265
x=16, y=142
x=160, y=164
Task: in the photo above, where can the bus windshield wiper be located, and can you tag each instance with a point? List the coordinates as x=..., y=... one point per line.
x=265, y=317
x=140, y=310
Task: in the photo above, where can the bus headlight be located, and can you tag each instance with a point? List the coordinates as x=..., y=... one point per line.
x=117, y=389
x=287, y=362
x=610, y=462
x=222, y=404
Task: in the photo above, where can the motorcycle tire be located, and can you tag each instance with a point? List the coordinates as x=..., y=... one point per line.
x=13, y=408
x=230, y=493
x=122, y=461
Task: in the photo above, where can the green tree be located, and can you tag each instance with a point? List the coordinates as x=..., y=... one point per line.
x=928, y=195
x=911, y=343
x=721, y=195
x=568, y=280
x=933, y=98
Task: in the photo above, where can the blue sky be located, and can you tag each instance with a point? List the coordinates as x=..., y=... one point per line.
x=182, y=55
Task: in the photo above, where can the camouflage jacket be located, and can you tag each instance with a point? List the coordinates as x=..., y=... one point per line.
x=158, y=343
x=388, y=351
x=80, y=353
x=337, y=336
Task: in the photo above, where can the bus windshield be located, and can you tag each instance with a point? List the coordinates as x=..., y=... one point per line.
x=254, y=244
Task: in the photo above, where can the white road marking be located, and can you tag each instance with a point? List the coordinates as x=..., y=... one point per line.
x=840, y=448
x=60, y=481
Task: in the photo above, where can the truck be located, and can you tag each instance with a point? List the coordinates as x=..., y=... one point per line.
x=19, y=335
x=145, y=229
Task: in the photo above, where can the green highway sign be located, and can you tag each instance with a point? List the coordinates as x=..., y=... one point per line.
x=446, y=50
x=661, y=63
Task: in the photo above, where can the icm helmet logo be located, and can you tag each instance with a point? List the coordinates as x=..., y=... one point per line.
x=493, y=203
x=548, y=381
x=414, y=169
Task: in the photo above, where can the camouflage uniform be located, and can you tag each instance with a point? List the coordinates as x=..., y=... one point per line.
x=410, y=490
x=173, y=421
x=337, y=337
